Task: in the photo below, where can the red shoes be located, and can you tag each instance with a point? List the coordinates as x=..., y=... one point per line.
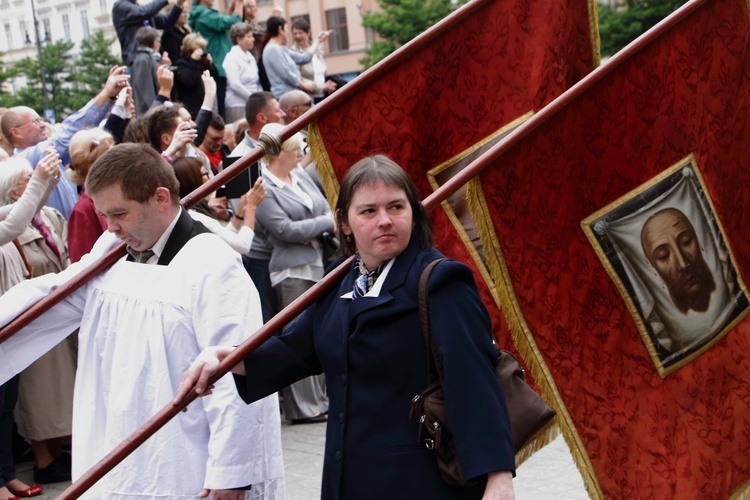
x=31, y=491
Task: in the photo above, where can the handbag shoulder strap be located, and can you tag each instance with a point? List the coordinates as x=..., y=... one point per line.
x=434, y=370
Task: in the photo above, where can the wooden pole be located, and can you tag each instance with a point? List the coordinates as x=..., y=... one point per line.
x=330, y=280
x=327, y=106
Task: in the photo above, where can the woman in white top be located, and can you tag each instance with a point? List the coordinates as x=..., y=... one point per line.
x=315, y=70
x=239, y=233
x=241, y=70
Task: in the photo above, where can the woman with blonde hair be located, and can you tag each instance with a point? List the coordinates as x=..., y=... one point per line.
x=188, y=84
x=295, y=216
x=85, y=225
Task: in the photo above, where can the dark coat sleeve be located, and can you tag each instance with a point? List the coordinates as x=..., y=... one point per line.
x=280, y=361
x=462, y=334
x=163, y=21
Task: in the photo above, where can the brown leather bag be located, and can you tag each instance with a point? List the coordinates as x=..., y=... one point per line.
x=528, y=412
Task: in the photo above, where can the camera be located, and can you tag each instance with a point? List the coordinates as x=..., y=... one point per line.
x=329, y=240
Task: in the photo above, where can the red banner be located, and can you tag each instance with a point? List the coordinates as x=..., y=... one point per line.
x=471, y=75
x=622, y=237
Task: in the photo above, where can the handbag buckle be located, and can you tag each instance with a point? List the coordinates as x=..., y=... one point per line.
x=429, y=444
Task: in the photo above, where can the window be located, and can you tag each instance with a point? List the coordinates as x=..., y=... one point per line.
x=47, y=31
x=66, y=26
x=339, y=40
x=85, y=24
x=24, y=31
x=8, y=36
x=103, y=5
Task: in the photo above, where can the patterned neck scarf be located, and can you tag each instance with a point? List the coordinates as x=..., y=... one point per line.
x=46, y=233
x=366, y=278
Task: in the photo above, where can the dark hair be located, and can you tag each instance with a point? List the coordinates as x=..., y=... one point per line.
x=217, y=122
x=161, y=120
x=239, y=30
x=137, y=169
x=274, y=25
x=188, y=173
x=136, y=130
x=301, y=24
x=146, y=36
x=255, y=104
x=367, y=172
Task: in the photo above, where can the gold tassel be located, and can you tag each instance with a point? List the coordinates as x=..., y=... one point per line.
x=323, y=164
x=526, y=346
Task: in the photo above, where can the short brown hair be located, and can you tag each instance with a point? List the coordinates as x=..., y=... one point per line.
x=369, y=171
x=138, y=170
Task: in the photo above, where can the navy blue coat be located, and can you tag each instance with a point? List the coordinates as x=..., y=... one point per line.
x=373, y=354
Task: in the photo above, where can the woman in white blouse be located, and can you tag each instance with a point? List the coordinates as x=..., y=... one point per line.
x=238, y=234
x=241, y=70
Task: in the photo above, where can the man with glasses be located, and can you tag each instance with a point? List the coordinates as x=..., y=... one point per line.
x=295, y=103
x=27, y=132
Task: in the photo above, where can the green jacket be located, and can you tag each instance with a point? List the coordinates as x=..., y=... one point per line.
x=214, y=27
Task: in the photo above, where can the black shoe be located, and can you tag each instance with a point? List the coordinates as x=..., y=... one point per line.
x=317, y=419
x=56, y=472
x=65, y=459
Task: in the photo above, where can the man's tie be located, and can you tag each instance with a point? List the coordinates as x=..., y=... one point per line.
x=140, y=257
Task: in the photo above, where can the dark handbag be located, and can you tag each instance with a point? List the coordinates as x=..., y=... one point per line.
x=528, y=412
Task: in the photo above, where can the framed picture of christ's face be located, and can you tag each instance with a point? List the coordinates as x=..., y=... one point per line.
x=664, y=248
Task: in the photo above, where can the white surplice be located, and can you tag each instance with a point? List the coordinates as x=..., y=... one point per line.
x=140, y=328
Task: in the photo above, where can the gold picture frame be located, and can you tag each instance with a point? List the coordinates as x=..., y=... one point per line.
x=666, y=251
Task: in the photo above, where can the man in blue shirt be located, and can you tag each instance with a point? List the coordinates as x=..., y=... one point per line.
x=27, y=133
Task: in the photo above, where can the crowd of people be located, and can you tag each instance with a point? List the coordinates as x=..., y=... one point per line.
x=196, y=89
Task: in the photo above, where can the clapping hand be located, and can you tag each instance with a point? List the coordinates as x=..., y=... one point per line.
x=49, y=165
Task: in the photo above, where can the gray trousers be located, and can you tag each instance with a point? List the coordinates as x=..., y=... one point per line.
x=306, y=397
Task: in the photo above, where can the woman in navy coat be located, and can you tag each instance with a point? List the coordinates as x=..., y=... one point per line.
x=367, y=340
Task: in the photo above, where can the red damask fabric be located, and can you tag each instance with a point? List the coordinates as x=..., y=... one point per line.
x=686, y=435
x=509, y=58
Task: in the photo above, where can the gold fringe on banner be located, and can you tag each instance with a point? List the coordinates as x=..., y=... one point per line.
x=742, y=493
x=524, y=342
x=323, y=164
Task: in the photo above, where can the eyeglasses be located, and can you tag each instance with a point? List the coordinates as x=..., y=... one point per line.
x=39, y=121
x=308, y=104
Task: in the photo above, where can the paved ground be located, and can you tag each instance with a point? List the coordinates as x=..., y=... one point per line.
x=548, y=475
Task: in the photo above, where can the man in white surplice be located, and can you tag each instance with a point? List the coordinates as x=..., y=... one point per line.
x=140, y=328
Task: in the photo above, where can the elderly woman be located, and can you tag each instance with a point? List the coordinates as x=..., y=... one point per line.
x=365, y=335
x=241, y=70
x=85, y=225
x=294, y=216
x=238, y=234
x=281, y=63
x=188, y=84
x=51, y=378
x=14, y=219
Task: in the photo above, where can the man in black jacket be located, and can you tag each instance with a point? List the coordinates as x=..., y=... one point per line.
x=128, y=16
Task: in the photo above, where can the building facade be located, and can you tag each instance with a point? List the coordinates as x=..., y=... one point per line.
x=75, y=20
